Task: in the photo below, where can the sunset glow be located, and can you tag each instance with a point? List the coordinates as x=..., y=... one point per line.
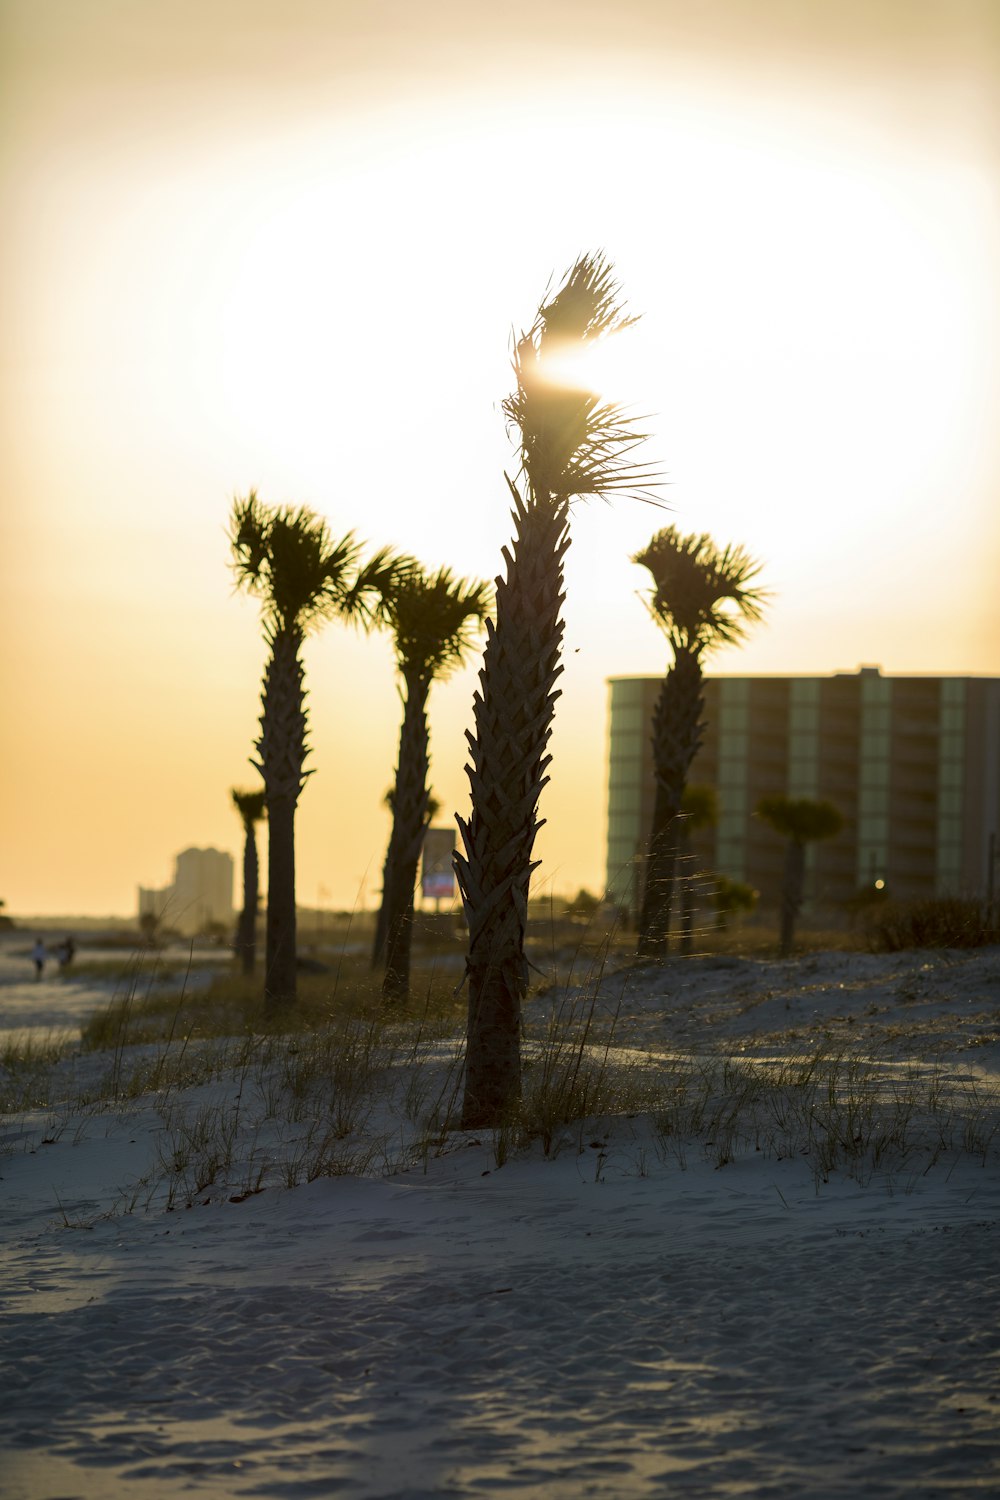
x=290, y=250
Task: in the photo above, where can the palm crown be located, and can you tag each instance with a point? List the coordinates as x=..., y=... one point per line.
x=287, y=558
x=433, y=619
x=702, y=595
x=572, y=443
x=802, y=819
x=251, y=806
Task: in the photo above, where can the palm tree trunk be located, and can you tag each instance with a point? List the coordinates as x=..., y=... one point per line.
x=513, y=721
x=246, y=932
x=282, y=750
x=677, y=734
x=791, y=896
x=409, y=820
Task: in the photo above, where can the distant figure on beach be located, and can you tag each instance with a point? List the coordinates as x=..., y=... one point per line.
x=38, y=957
x=65, y=952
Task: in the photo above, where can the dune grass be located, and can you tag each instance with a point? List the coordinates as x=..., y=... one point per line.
x=348, y=1085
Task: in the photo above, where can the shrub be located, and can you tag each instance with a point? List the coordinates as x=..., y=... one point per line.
x=941, y=922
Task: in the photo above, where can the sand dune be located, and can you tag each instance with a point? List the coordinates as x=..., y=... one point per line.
x=623, y=1318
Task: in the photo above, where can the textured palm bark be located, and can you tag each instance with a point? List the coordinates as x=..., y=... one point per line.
x=677, y=734
x=282, y=751
x=246, y=931
x=792, y=892
x=513, y=721
x=409, y=821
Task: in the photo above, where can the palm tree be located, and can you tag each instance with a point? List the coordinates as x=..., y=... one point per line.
x=433, y=619
x=287, y=559
x=701, y=598
x=571, y=444
x=699, y=809
x=378, y=942
x=252, y=808
x=802, y=821
x=731, y=898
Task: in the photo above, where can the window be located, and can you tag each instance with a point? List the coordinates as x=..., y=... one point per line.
x=874, y=776
x=626, y=720
x=623, y=799
x=952, y=746
x=628, y=693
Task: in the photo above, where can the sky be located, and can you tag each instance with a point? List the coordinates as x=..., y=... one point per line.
x=287, y=245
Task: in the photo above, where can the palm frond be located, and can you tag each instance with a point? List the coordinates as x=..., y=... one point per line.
x=573, y=444
x=364, y=602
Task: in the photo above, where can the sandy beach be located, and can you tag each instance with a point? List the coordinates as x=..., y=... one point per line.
x=700, y=1297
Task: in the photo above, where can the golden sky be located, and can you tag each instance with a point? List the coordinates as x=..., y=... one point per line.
x=284, y=245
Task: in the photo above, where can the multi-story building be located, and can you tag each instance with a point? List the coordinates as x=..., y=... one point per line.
x=912, y=764
x=201, y=895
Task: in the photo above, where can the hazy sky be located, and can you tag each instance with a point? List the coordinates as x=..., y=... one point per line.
x=285, y=244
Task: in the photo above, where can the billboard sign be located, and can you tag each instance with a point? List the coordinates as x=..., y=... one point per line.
x=437, y=879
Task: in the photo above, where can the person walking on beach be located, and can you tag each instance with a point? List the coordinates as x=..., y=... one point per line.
x=38, y=957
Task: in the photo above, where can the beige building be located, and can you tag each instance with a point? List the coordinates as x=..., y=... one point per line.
x=201, y=894
x=912, y=763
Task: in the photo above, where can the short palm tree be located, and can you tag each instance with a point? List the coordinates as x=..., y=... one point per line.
x=287, y=559
x=252, y=808
x=571, y=444
x=731, y=898
x=802, y=821
x=434, y=620
x=702, y=598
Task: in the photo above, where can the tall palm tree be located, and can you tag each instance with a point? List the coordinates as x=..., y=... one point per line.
x=252, y=808
x=702, y=597
x=571, y=444
x=699, y=809
x=287, y=559
x=802, y=821
x=433, y=619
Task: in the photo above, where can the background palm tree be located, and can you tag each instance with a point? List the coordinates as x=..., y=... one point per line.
x=571, y=444
x=701, y=598
x=731, y=898
x=252, y=807
x=802, y=821
x=434, y=620
x=287, y=559
x=699, y=809
x=378, y=942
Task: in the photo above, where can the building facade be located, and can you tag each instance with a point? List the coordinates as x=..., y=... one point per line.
x=200, y=897
x=912, y=764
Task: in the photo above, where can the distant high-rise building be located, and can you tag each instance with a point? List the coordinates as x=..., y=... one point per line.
x=912, y=763
x=201, y=895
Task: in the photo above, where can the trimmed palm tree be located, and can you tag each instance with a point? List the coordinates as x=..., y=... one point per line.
x=288, y=560
x=731, y=898
x=571, y=444
x=252, y=808
x=702, y=598
x=699, y=809
x=802, y=821
x=434, y=619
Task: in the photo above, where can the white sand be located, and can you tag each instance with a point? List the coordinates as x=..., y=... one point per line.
x=618, y=1320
